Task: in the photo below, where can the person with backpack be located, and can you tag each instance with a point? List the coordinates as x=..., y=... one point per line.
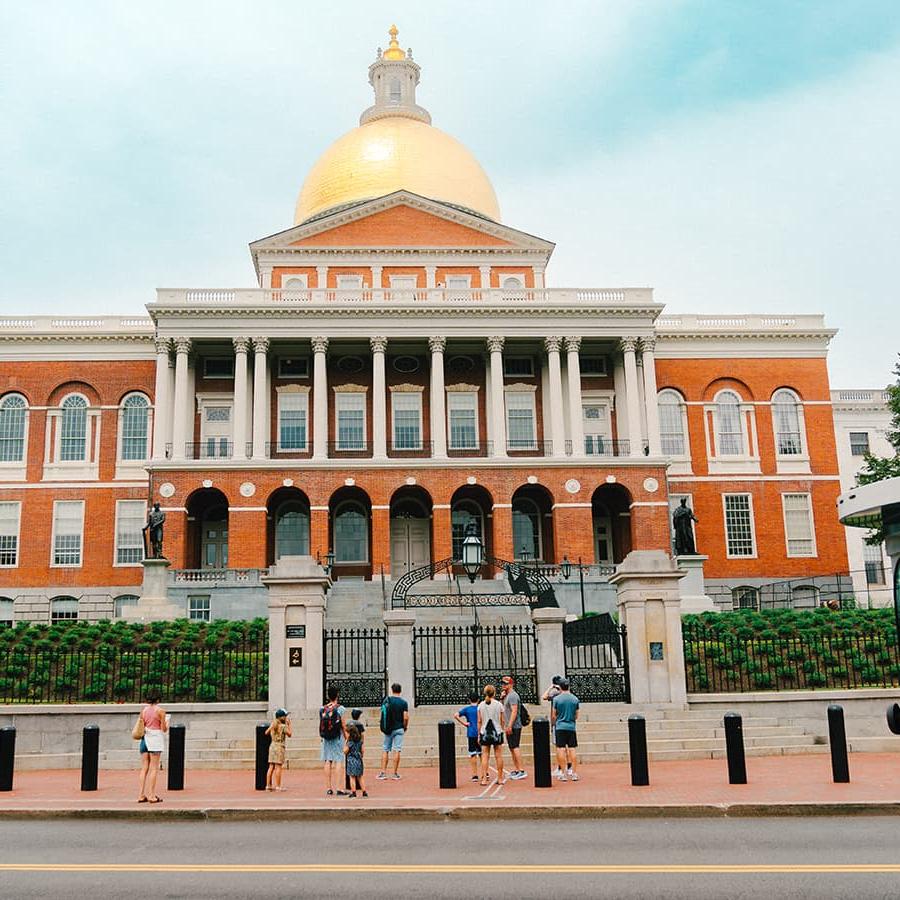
x=516, y=719
x=331, y=731
x=394, y=722
x=491, y=726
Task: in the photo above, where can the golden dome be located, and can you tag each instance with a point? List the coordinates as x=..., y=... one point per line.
x=393, y=51
x=391, y=154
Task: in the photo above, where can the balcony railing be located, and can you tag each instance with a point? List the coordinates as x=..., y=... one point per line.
x=211, y=448
x=273, y=451
x=217, y=576
x=529, y=448
x=402, y=450
x=602, y=446
x=482, y=451
x=349, y=450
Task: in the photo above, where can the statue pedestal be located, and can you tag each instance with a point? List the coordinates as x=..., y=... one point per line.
x=693, y=587
x=154, y=604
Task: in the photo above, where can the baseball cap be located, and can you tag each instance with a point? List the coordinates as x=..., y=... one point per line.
x=280, y=713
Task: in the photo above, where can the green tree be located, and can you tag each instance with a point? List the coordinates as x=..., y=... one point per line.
x=878, y=468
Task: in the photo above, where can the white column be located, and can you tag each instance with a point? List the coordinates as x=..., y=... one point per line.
x=379, y=398
x=632, y=398
x=321, y=277
x=430, y=277
x=438, y=402
x=552, y=345
x=573, y=372
x=239, y=435
x=497, y=407
x=265, y=277
x=377, y=291
x=320, y=398
x=183, y=401
x=539, y=278
x=260, y=396
x=648, y=346
x=162, y=402
x=485, y=275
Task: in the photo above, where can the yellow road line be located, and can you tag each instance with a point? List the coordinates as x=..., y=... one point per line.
x=461, y=869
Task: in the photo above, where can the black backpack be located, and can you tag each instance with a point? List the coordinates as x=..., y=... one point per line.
x=524, y=715
x=329, y=722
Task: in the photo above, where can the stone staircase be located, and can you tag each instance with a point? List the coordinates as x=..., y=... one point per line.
x=602, y=737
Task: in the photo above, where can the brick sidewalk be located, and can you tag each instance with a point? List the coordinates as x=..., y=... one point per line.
x=785, y=783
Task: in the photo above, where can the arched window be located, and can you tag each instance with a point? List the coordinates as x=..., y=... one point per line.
x=6, y=612
x=124, y=600
x=291, y=530
x=805, y=596
x=351, y=533
x=73, y=429
x=134, y=415
x=729, y=433
x=13, y=409
x=526, y=524
x=672, y=430
x=464, y=513
x=512, y=283
x=745, y=597
x=786, y=422
x=63, y=609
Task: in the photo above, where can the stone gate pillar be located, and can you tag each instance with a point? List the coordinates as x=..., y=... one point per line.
x=296, y=587
x=551, y=654
x=650, y=608
x=399, y=624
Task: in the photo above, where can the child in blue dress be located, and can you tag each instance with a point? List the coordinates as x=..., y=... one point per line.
x=353, y=751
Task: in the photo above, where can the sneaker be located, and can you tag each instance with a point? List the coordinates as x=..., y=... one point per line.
x=556, y=772
x=474, y=778
x=517, y=776
x=574, y=776
x=381, y=776
x=561, y=776
x=365, y=793
x=568, y=770
x=396, y=776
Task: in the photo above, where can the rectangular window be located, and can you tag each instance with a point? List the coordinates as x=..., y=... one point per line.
x=68, y=527
x=874, y=564
x=218, y=367
x=593, y=365
x=198, y=607
x=462, y=420
x=798, y=525
x=293, y=367
x=292, y=421
x=739, y=538
x=129, y=539
x=349, y=282
x=350, y=410
x=520, y=432
x=518, y=366
x=9, y=533
x=404, y=282
x=458, y=282
x=859, y=443
x=407, y=420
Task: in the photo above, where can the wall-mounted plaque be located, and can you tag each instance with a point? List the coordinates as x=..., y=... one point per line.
x=294, y=631
x=295, y=657
x=656, y=650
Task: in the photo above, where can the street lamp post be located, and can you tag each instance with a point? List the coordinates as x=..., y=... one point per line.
x=565, y=568
x=472, y=553
x=329, y=562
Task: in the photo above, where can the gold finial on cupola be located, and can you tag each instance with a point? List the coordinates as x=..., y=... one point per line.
x=393, y=51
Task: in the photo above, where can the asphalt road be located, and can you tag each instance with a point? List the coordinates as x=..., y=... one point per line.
x=698, y=858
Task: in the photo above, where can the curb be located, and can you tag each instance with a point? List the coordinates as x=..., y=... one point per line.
x=443, y=813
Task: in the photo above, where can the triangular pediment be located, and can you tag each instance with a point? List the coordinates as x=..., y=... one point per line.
x=398, y=221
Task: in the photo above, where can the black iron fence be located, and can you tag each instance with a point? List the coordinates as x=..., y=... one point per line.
x=356, y=664
x=835, y=590
x=596, y=654
x=116, y=675
x=717, y=663
x=451, y=661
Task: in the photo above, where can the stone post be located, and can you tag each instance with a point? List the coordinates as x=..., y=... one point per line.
x=694, y=598
x=650, y=609
x=399, y=624
x=154, y=605
x=296, y=586
x=551, y=654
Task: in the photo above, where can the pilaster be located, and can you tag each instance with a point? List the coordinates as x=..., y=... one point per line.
x=399, y=625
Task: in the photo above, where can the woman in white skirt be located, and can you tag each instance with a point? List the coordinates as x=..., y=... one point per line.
x=152, y=745
x=491, y=728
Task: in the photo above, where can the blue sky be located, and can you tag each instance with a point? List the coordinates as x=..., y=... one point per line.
x=737, y=156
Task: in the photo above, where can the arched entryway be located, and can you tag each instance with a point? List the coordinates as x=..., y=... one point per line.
x=287, y=521
x=207, y=512
x=532, y=523
x=471, y=505
x=410, y=530
x=350, y=532
x=611, y=513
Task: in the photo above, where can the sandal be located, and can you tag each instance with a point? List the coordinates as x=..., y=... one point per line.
x=365, y=793
x=154, y=799
x=329, y=792
x=142, y=800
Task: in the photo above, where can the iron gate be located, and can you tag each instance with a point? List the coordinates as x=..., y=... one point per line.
x=451, y=661
x=597, y=660
x=355, y=661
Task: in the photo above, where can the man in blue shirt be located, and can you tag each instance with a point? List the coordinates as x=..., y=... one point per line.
x=564, y=717
x=468, y=716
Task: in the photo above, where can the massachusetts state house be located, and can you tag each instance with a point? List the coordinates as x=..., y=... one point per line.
x=402, y=370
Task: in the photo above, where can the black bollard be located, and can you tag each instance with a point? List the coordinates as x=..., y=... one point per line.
x=90, y=755
x=447, y=753
x=637, y=751
x=893, y=718
x=176, y=757
x=734, y=748
x=7, y=756
x=540, y=733
x=837, y=740
x=262, y=755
